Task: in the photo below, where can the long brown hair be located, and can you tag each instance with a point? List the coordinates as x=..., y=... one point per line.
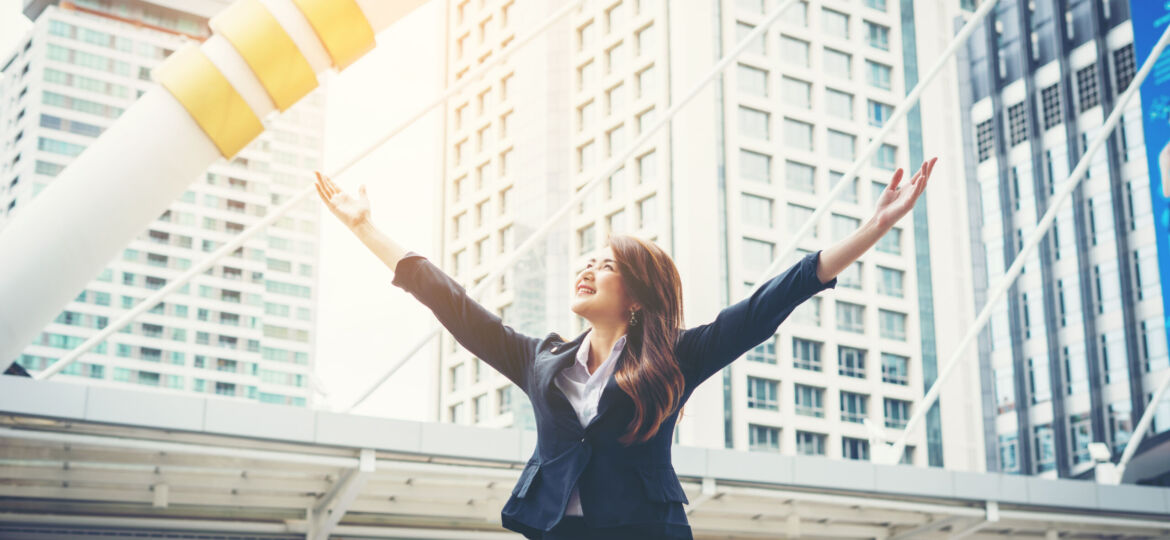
x=650, y=374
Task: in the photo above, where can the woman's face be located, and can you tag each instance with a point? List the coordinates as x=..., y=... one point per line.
x=599, y=293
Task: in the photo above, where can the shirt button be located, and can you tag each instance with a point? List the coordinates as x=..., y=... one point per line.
x=582, y=439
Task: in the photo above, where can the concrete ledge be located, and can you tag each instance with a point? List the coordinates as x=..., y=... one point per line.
x=335, y=429
x=22, y=395
x=1068, y=493
x=259, y=420
x=749, y=466
x=836, y=474
x=470, y=442
x=166, y=411
x=906, y=479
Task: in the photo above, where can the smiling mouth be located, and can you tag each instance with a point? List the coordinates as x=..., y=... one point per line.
x=585, y=291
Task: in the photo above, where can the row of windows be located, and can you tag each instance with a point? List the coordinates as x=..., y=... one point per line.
x=809, y=401
x=797, y=92
x=103, y=39
x=808, y=443
x=757, y=166
x=481, y=409
x=1050, y=106
x=96, y=62
x=646, y=220
x=851, y=361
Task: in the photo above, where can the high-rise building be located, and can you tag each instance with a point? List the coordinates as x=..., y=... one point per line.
x=244, y=327
x=722, y=189
x=1078, y=346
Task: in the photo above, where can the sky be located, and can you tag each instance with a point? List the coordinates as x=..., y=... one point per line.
x=364, y=323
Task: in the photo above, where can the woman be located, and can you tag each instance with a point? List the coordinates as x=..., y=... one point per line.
x=606, y=402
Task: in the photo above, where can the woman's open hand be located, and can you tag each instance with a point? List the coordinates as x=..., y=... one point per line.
x=897, y=199
x=351, y=210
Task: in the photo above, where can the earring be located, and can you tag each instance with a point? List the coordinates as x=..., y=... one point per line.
x=633, y=318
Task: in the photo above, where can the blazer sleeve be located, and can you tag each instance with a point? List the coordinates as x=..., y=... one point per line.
x=480, y=331
x=704, y=350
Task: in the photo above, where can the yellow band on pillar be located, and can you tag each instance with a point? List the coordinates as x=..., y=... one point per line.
x=269, y=51
x=341, y=26
x=210, y=99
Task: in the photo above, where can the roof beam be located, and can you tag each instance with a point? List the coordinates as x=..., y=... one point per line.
x=330, y=509
x=929, y=526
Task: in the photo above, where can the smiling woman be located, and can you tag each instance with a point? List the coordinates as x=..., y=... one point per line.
x=606, y=403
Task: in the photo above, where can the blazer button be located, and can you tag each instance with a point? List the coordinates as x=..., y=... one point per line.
x=582, y=439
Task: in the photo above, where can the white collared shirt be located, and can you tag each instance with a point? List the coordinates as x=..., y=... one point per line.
x=583, y=391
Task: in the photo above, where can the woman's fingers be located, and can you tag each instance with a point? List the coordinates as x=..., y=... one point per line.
x=896, y=179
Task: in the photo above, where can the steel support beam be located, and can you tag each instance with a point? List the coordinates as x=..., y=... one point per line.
x=325, y=516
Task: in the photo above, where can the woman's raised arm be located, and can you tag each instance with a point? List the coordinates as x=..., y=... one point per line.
x=895, y=202
x=480, y=331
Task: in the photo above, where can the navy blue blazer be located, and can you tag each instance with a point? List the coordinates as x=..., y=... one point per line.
x=628, y=486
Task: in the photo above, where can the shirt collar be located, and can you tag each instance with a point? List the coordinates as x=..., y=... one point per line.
x=583, y=350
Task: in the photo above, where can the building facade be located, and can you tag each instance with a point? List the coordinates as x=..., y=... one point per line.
x=1078, y=346
x=722, y=189
x=243, y=328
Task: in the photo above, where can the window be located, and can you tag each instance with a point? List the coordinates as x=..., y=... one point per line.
x=647, y=213
x=646, y=81
x=755, y=7
x=797, y=134
x=799, y=177
x=586, y=239
x=809, y=312
x=764, y=353
x=984, y=139
x=850, y=317
x=614, y=17
x=885, y=157
x=616, y=98
x=1081, y=437
x=757, y=255
x=794, y=51
x=1017, y=124
x=839, y=104
x=1124, y=67
x=806, y=354
x=843, y=226
x=891, y=242
x=857, y=449
x=810, y=444
x=851, y=362
x=615, y=140
x=479, y=408
x=841, y=145
x=647, y=171
x=799, y=215
x=850, y=193
x=1045, y=448
x=586, y=74
x=838, y=64
x=879, y=5
x=753, y=81
x=1039, y=385
x=1050, y=102
x=646, y=39
x=897, y=413
x=585, y=35
x=763, y=438
x=878, y=75
x=797, y=14
x=1008, y=454
x=755, y=166
x=810, y=400
x=878, y=112
x=585, y=157
x=853, y=407
x=762, y=394
x=850, y=277
x=835, y=23
x=504, y=400
x=891, y=282
x=892, y=324
x=796, y=92
x=1087, y=96
x=615, y=58
x=757, y=211
x=742, y=30
x=877, y=36
x=753, y=123
x=585, y=116
x=895, y=369
x=456, y=414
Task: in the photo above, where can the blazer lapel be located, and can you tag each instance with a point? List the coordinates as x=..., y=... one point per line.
x=610, y=393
